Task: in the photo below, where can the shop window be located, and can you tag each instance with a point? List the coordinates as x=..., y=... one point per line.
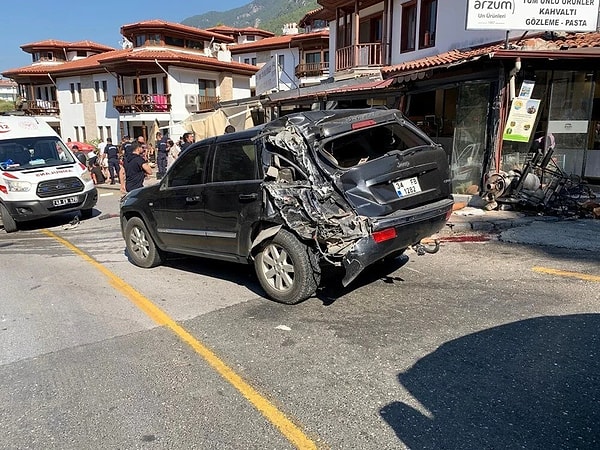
x=428, y=22
x=409, y=27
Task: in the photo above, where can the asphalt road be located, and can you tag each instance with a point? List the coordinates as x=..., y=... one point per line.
x=482, y=345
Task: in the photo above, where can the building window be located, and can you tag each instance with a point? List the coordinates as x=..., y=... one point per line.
x=313, y=58
x=80, y=134
x=409, y=26
x=253, y=61
x=250, y=38
x=175, y=42
x=207, y=88
x=81, y=53
x=101, y=134
x=427, y=23
x=140, y=40
x=101, y=88
x=154, y=84
x=246, y=60
x=281, y=61
x=108, y=132
x=196, y=45
x=75, y=92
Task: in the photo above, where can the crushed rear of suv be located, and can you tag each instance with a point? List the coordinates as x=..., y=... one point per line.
x=342, y=187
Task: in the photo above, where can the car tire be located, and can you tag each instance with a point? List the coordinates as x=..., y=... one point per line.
x=10, y=225
x=141, y=249
x=287, y=269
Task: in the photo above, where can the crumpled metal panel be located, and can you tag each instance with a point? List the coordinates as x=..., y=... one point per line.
x=311, y=207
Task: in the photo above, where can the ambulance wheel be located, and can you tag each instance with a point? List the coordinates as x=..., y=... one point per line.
x=10, y=226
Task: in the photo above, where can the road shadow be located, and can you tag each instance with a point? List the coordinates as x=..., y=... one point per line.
x=530, y=384
x=331, y=288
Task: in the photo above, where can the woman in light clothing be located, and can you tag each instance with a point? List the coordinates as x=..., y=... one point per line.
x=173, y=152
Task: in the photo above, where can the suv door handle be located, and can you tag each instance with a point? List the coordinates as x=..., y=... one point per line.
x=194, y=199
x=248, y=196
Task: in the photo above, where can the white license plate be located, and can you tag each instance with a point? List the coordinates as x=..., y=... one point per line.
x=65, y=201
x=408, y=186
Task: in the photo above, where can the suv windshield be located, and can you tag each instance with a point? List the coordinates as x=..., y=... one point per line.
x=33, y=152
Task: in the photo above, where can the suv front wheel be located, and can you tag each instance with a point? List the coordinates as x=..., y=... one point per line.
x=287, y=269
x=141, y=249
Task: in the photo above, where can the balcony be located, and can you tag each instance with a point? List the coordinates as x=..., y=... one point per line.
x=372, y=54
x=39, y=107
x=312, y=69
x=136, y=103
x=204, y=102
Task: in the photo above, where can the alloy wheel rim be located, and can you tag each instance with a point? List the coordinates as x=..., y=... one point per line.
x=277, y=268
x=140, y=245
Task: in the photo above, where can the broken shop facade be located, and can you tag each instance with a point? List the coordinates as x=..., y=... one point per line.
x=462, y=98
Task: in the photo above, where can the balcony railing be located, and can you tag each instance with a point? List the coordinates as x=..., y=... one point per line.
x=40, y=107
x=361, y=55
x=205, y=103
x=312, y=69
x=134, y=103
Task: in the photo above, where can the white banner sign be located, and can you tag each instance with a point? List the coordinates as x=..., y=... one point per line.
x=266, y=77
x=539, y=15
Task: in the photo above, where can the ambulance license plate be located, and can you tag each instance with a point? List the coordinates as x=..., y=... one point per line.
x=65, y=201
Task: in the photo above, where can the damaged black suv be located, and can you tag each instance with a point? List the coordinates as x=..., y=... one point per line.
x=340, y=187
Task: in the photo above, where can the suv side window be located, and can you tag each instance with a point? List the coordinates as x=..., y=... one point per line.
x=189, y=168
x=235, y=161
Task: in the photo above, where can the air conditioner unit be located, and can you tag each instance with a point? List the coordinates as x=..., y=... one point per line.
x=191, y=100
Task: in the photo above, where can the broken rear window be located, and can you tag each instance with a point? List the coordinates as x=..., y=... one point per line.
x=367, y=144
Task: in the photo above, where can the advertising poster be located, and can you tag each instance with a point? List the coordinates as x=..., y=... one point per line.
x=540, y=15
x=521, y=119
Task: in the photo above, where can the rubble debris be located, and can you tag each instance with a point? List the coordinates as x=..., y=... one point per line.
x=541, y=185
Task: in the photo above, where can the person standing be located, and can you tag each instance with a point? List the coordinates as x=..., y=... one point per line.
x=174, y=151
x=161, y=155
x=134, y=169
x=125, y=147
x=188, y=139
x=112, y=156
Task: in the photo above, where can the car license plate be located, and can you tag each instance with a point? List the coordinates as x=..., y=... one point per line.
x=65, y=201
x=408, y=186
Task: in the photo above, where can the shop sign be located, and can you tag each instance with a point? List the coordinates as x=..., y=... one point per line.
x=534, y=15
x=521, y=119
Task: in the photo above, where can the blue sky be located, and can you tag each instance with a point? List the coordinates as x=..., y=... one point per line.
x=98, y=21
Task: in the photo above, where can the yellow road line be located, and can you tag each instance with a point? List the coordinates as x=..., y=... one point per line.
x=562, y=273
x=290, y=430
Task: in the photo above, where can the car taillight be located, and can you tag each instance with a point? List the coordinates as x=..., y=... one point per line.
x=384, y=235
x=363, y=124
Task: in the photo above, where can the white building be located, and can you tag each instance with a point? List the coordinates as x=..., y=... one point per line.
x=164, y=73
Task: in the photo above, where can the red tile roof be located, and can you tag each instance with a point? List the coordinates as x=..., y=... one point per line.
x=274, y=42
x=541, y=45
x=140, y=54
x=127, y=30
x=57, y=44
x=224, y=29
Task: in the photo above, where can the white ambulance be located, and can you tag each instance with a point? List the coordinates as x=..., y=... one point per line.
x=39, y=176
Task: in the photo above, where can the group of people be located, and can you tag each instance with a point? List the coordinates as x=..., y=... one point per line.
x=128, y=163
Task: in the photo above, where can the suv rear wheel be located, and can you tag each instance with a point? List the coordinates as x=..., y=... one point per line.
x=287, y=269
x=141, y=249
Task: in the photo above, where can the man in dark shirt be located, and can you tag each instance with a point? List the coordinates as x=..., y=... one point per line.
x=161, y=154
x=134, y=169
x=188, y=139
x=112, y=156
x=126, y=147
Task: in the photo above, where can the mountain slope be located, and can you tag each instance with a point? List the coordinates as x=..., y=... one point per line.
x=268, y=15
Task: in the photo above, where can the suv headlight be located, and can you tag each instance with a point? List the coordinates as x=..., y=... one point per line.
x=18, y=186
